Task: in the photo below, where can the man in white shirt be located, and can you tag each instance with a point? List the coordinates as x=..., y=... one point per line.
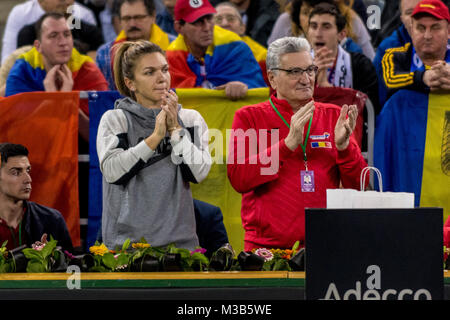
x=31, y=10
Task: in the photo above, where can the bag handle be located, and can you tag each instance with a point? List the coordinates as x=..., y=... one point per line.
x=362, y=178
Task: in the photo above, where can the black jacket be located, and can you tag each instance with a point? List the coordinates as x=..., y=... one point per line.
x=365, y=78
x=396, y=66
x=39, y=219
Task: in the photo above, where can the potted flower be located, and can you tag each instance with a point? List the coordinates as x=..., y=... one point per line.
x=143, y=258
x=222, y=258
x=281, y=259
x=6, y=264
x=107, y=261
x=44, y=256
x=249, y=261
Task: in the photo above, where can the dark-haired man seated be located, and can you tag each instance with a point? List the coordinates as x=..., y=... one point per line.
x=22, y=221
x=338, y=67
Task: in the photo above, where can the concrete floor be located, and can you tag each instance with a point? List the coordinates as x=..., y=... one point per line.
x=5, y=8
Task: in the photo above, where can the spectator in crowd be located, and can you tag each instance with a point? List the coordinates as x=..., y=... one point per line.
x=147, y=156
x=357, y=39
x=109, y=19
x=86, y=37
x=137, y=19
x=356, y=29
x=30, y=11
x=24, y=222
x=389, y=21
x=165, y=19
x=96, y=6
x=337, y=67
x=398, y=38
x=228, y=17
x=205, y=55
x=422, y=65
x=279, y=181
x=259, y=16
x=54, y=65
x=7, y=65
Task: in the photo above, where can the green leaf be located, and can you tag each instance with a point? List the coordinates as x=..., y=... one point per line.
x=142, y=240
x=122, y=259
x=32, y=254
x=184, y=253
x=109, y=261
x=295, y=247
x=98, y=269
x=281, y=265
x=197, y=256
x=48, y=248
x=6, y=241
x=267, y=266
x=5, y=267
x=126, y=245
x=35, y=266
x=136, y=255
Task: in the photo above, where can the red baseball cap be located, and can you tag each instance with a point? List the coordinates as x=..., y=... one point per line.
x=191, y=10
x=436, y=8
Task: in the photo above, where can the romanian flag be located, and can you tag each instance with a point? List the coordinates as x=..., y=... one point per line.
x=47, y=124
x=260, y=54
x=227, y=59
x=157, y=36
x=412, y=147
x=28, y=74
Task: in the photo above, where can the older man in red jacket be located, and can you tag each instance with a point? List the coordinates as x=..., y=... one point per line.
x=298, y=148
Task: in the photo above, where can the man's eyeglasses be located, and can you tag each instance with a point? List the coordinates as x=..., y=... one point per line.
x=298, y=72
x=137, y=18
x=229, y=17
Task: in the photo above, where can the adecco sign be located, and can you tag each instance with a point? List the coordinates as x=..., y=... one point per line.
x=374, y=254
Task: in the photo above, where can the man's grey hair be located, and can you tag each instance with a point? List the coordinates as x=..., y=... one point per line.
x=282, y=46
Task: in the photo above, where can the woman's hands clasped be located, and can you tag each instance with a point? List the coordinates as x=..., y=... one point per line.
x=170, y=107
x=166, y=120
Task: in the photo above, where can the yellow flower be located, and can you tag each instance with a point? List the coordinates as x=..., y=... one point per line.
x=99, y=250
x=140, y=245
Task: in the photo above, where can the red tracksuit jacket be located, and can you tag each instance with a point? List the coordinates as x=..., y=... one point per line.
x=273, y=203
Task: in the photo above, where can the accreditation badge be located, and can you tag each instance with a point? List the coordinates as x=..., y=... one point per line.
x=307, y=181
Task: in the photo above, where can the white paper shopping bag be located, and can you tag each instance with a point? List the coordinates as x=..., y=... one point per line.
x=349, y=198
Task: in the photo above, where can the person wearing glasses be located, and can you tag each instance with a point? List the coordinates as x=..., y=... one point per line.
x=228, y=17
x=285, y=152
x=337, y=66
x=137, y=20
